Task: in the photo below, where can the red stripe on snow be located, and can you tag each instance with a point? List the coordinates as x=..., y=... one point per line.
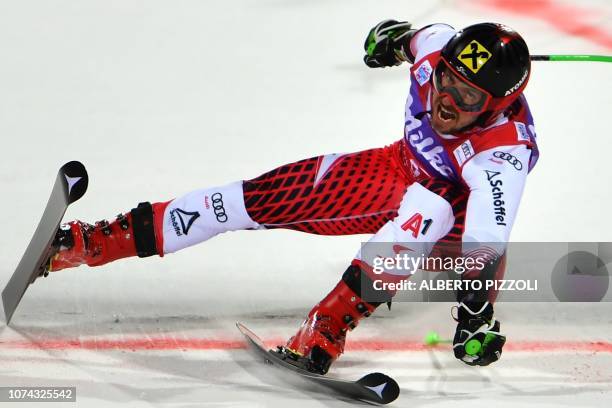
x=569, y=19
x=170, y=343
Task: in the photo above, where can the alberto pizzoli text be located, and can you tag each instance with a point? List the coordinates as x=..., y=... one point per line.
x=456, y=284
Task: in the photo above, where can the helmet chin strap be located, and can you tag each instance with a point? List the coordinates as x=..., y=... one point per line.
x=480, y=122
x=420, y=115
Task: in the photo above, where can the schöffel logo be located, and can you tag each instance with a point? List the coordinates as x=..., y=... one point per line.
x=499, y=209
x=217, y=204
x=184, y=222
x=510, y=159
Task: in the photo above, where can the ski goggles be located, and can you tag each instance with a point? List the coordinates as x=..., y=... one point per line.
x=464, y=95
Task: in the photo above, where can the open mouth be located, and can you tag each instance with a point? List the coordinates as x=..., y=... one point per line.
x=445, y=114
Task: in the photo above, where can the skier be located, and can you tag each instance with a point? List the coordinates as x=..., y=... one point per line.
x=457, y=175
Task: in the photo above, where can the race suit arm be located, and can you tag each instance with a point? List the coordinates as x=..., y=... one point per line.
x=430, y=39
x=496, y=179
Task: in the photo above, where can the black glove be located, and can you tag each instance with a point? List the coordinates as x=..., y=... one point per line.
x=388, y=44
x=477, y=339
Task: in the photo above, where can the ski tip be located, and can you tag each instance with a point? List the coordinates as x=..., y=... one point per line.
x=251, y=337
x=76, y=180
x=8, y=314
x=245, y=330
x=384, y=387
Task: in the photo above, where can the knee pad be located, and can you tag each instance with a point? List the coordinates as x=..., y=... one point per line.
x=423, y=218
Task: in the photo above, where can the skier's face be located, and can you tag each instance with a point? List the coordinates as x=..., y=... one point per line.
x=445, y=117
x=455, y=103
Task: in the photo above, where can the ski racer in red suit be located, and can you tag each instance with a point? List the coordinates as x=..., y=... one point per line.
x=457, y=175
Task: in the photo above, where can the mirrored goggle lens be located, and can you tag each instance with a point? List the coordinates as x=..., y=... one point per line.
x=465, y=97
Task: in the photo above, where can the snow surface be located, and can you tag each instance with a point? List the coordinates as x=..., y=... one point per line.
x=158, y=98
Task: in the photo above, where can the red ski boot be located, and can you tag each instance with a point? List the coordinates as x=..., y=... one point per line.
x=80, y=243
x=320, y=339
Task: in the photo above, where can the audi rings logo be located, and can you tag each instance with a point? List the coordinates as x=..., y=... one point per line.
x=217, y=205
x=510, y=159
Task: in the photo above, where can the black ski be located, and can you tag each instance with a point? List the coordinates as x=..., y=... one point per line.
x=70, y=185
x=374, y=388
